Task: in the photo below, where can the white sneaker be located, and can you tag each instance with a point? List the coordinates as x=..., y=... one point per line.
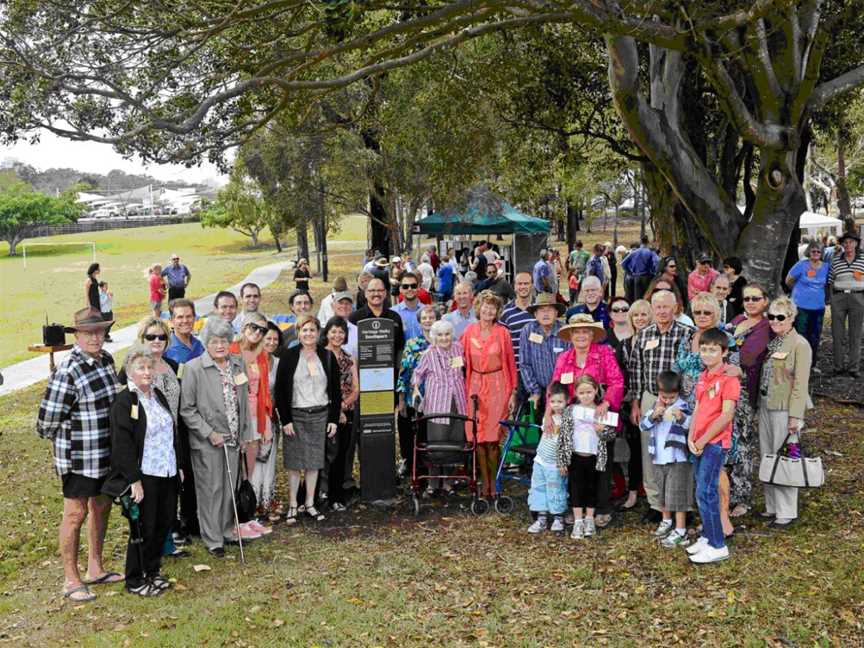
x=710, y=555
x=539, y=525
x=675, y=539
x=557, y=524
x=697, y=546
x=578, y=530
x=663, y=529
x=590, y=527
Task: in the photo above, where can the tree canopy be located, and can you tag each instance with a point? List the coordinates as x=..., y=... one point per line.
x=24, y=210
x=718, y=97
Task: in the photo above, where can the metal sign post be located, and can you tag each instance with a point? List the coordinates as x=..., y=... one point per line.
x=377, y=420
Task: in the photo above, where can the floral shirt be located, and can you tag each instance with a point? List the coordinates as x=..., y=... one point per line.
x=158, y=458
x=168, y=384
x=414, y=348
x=346, y=377
x=232, y=407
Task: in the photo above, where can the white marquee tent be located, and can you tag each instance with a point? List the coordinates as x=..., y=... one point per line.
x=811, y=221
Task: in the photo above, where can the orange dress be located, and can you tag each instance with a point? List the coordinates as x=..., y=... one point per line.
x=490, y=374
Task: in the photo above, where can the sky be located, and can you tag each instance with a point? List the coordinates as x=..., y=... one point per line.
x=53, y=151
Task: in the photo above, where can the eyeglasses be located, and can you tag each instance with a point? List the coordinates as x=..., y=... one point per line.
x=752, y=298
x=150, y=337
x=703, y=313
x=409, y=286
x=621, y=309
x=779, y=318
x=256, y=329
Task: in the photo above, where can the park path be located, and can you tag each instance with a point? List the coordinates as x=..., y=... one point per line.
x=26, y=373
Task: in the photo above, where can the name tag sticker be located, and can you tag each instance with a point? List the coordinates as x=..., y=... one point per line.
x=811, y=273
x=456, y=362
x=567, y=378
x=858, y=275
x=536, y=338
x=240, y=379
x=180, y=371
x=558, y=349
x=134, y=412
x=652, y=344
x=780, y=355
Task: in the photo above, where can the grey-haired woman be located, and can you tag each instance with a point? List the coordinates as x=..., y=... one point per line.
x=214, y=407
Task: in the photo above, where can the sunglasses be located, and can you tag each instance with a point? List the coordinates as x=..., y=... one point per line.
x=621, y=309
x=409, y=286
x=150, y=337
x=256, y=329
x=703, y=313
x=779, y=318
x=751, y=298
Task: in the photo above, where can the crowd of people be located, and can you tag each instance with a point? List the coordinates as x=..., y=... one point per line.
x=669, y=392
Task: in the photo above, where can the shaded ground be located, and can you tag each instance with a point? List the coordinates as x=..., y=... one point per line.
x=842, y=389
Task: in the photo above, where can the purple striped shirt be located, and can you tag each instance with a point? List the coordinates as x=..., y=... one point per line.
x=443, y=383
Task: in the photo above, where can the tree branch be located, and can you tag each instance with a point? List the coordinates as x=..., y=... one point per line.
x=829, y=90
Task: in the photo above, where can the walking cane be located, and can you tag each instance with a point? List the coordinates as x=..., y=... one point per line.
x=234, y=503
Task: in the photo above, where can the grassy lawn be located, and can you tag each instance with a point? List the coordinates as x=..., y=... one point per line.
x=382, y=578
x=53, y=280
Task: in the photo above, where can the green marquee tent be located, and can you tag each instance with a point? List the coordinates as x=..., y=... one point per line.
x=487, y=217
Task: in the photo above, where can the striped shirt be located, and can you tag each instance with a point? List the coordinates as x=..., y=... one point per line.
x=537, y=358
x=652, y=353
x=844, y=275
x=547, y=450
x=514, y=318
x=75, y=413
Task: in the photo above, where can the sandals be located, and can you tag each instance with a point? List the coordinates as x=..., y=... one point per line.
x=161, y=582
x=80, y=594
x=108, y=578
x=291, y=515
x=146, y=589
x=739, y=511
x=314, y=513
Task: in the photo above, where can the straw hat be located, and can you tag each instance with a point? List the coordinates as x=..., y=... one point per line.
x=582, y=320
x=382, y=262
x=546, y=299
x=88, y=319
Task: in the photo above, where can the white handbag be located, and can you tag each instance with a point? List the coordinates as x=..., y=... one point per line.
x=779, y=470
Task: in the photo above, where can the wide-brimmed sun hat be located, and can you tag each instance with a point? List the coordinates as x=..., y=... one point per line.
x=88, y=319
x=546, y=299
x=382, y=262
x=582, y=321
x=850, y=234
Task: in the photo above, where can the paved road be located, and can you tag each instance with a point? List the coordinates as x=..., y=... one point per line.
x=29, y=372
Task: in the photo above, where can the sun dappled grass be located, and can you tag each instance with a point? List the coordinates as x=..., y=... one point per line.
x=53, y=282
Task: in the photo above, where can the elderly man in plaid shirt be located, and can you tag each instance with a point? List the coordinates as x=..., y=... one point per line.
x=74, y=415
x=654, y=351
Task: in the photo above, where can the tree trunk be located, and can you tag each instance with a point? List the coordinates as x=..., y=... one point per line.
x=322, y=219
x=13, y=241
x=779, y=203
x=254, y=236
x=572, y=218
x=379, y=218
x=844, y=204
x=302, y=239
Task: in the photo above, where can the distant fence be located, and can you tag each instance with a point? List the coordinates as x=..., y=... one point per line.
x=111, y=224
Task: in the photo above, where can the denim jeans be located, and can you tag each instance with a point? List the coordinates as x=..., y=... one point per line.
x=809, y=324
x=708, y=467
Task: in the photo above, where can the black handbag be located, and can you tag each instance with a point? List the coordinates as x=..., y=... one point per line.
x=247, y=503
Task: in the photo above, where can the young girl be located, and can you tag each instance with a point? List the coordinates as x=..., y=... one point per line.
x=582, y=455
x=547, y=493
x=573, y=284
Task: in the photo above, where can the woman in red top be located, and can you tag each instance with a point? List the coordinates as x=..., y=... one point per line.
x=490, y=368
x=157, y=290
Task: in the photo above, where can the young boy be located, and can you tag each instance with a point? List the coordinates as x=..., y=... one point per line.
x=548, y=490
x=667, y=424
x=106, y=305
x=709, y=439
